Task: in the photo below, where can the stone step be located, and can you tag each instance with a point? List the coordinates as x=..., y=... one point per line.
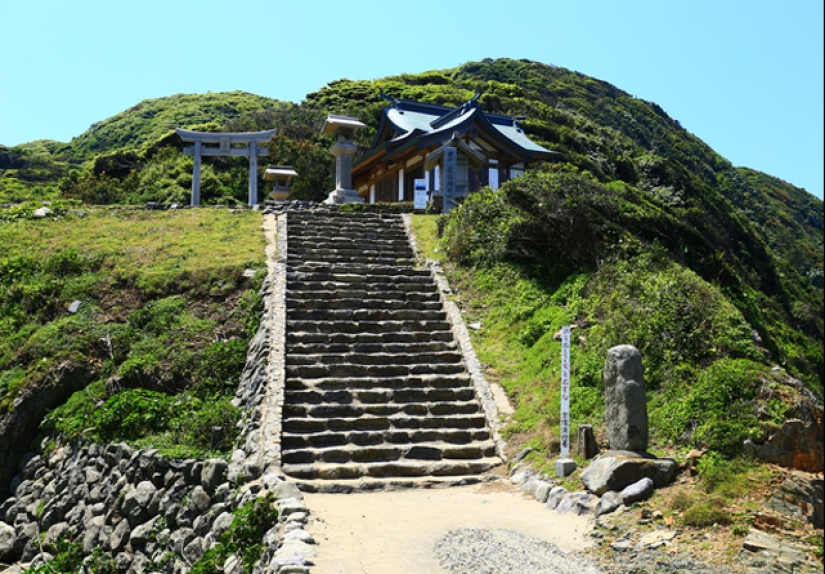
x=360, y=303
x=356, y=273
x=383, y=423
x=384, y=452
x=407, y=382
x=389, y=469
x=383, y=408
x=381, y=245
x=369, y=359
x=353, y=370
x=298, y=249
x=338, y=233
x=371, y=348
x=331, y=327
x=409, y=336
x=369, y=314
x=421, y=400
x=338, y=261
x=379, y=287
x=364, y=438
x=360, y=292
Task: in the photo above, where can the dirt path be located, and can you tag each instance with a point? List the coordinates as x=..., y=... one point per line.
x=395, y=532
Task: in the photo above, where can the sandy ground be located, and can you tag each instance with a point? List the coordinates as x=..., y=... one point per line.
x=395, y=532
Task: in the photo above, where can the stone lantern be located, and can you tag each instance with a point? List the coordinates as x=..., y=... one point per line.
x=282, y=176
x=343, y=129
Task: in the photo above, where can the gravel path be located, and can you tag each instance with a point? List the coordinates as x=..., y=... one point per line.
x=485, y=551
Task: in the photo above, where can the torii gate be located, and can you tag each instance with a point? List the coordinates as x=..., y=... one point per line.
x=225, y=141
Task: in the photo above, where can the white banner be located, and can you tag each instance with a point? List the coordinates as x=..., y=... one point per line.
x=565, y=392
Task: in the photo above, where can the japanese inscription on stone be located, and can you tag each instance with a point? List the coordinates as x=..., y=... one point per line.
x=565, y=392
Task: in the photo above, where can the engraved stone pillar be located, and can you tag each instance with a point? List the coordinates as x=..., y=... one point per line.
x=625, y=409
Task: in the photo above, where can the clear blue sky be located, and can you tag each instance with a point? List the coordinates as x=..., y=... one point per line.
x=745, y=76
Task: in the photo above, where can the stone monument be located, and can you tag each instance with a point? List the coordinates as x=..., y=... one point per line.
x=625, y=412
x=625, y=404
x=343, y=129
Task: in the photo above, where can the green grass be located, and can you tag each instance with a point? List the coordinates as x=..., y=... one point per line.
x=701, y=363
x=165, y=318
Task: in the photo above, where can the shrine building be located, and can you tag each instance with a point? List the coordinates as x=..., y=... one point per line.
x=409, y=130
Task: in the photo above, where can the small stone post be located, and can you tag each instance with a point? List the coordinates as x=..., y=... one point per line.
x=625, y=409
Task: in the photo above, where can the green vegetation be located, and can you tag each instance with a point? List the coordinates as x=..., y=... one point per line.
x=244, y=538
x=554, y=249
x=165, y=313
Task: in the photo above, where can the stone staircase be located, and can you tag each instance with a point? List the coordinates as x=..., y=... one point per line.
x=376, y=388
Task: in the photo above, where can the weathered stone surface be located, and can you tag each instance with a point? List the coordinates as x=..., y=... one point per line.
x=800, y=497
x=616, y=470
x=193, y=550
x=796, y=444
x=638, y=491
x=554, y=497
x=120, y=536
x=8, y=541
x=610, y=501
x=200, y=499
x=542, y=491
x=625, y=402
x=213, y=473
x=140, y=534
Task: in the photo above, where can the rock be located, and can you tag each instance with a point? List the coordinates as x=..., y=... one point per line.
x=8, y=541
x=92, y=537
x=120, y=536
x=299, y=534
x=193, y=550
x=610, y=501
x=200, y=499
x=222, y=523
x=284, y=489
x=616, y=470
x=290, y=506
x=656, y=538
x=180, y=538
x=213, y=473
x=638, y=491
x=555, y=496
x=622, y=544
x=140, y=534
x=42, y=212
x=585, y=504
x=524, y=452
x=542, y=491
x=788, y=557
x=799, y=497
x=625, y=402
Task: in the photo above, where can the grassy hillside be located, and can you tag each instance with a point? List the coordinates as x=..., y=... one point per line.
x=162, y=320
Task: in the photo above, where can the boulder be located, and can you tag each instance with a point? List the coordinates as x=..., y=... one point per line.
x=615, y=470
x=213, y=473
x=638, y=491
x=625, y=410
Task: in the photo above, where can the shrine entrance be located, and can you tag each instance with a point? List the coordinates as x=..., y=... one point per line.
x=225, y=147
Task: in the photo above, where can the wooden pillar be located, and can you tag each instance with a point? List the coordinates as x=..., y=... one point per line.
x=253, y=173
x=401, y=184
x=196, y=175
x=372, y=193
